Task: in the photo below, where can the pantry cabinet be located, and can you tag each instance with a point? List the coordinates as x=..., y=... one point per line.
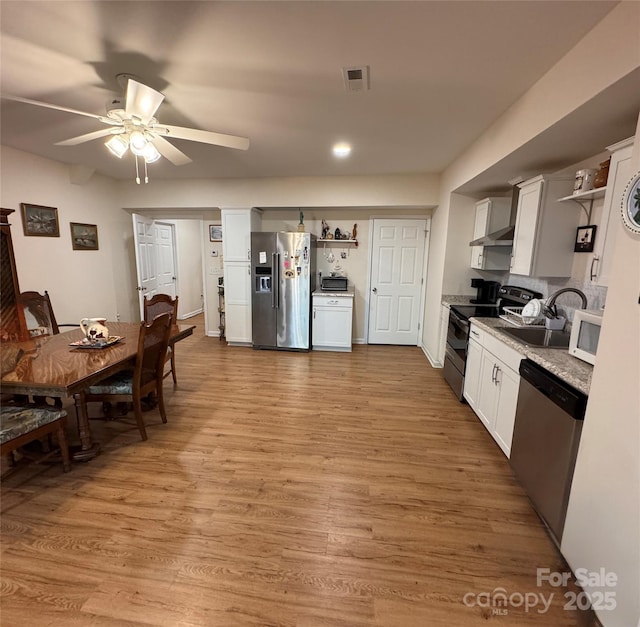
x=237, y=225
x=332, y=322
x=492, y=214
x=545, y=230
x=491, y=385
x=619, y=174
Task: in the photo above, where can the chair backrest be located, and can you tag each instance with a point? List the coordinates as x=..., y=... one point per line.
x=159, y=304
x=39, y=313
x=152, y=349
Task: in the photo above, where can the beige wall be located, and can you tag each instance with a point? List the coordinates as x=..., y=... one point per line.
x=80, y=283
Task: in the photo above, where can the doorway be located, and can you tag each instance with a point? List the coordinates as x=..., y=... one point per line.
x=396, y=284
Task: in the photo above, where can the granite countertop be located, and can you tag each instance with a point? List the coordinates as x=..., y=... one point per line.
x=349, y=293
x=456, y=299
x=556, y=360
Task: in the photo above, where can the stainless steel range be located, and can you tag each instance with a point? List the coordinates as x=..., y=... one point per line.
x=458, y=330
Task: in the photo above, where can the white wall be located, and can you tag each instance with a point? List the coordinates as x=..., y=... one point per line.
x=356, y=265
x=562, y=90
x=602, y=528
x=80, y=283
x=190, y=287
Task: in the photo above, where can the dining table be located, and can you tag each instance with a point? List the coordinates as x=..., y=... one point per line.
x=51, y=366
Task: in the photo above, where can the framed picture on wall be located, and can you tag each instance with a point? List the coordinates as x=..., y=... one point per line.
x=39, y=220
x=215, y=232
x=84, y=236
x=585, y=238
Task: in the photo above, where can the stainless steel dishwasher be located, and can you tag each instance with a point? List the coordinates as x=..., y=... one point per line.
x=545, y=443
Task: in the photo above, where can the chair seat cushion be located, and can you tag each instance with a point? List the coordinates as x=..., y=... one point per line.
x=120, y=383
x=16, y=420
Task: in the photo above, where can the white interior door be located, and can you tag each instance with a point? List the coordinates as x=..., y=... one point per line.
x=165, y=253
x=397, y=262
x=146, y=261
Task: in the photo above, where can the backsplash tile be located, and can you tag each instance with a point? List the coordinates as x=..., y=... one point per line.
x=566, y=303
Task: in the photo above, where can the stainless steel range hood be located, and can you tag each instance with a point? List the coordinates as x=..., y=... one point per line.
x=503, y=237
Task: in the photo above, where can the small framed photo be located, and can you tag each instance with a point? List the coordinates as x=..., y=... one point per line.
x=84, y=236
x=215, y=232
x=585, y=238
x=39, y=220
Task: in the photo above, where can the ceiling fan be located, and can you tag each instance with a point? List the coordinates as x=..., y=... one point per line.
x=131, y=125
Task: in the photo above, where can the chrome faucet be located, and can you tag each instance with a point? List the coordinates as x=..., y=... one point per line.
x=551, y=301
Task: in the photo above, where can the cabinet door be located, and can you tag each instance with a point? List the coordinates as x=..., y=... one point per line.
x=479, y=230
x=524, y=238
x=332, y=327
x=472, y=373
x=487, y=391
x=508, y=386
x=619, y=175
x=236, y=234
x=237, y=287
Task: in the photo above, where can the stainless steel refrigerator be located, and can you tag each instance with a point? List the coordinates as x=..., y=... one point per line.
x=283, y=277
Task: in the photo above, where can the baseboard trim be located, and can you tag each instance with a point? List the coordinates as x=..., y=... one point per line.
x=434, y=362
x=191, y=314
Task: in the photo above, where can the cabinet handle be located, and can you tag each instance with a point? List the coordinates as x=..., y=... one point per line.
x=497, y=372
x=248, y=254
x=475, y=333
x=493, y=373
x=479, y=262
x=592, y=274
x=314, y=313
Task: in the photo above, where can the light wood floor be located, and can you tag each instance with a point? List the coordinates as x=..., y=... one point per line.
x=291, y=489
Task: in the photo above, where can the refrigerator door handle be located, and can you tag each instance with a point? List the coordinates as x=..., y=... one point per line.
x=275, y=290
x=273, y=280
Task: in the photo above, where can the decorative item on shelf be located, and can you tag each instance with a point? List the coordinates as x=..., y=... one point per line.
x=602, y=174
x=584, y=180
x=338, y=233
x=301, y=223
x=325, y=230
x=585, y=238
x=354, y=233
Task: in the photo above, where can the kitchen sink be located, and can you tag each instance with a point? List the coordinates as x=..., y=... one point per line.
x=538, y=336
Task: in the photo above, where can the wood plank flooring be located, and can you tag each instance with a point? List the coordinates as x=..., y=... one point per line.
x=287, y=489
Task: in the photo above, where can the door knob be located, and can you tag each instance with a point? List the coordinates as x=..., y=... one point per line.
x=375, y=290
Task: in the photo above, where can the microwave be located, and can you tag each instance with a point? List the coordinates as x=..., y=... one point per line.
x=585, y=333
x=333, y=284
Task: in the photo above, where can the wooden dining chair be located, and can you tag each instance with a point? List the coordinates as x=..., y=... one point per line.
x=146, y=377
x=41, y=319
x=159, y=304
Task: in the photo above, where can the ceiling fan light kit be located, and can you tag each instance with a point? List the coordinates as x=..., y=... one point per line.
x=134, y=128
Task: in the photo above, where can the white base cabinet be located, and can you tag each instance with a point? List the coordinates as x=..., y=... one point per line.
x=491, y=385
x=331, y=323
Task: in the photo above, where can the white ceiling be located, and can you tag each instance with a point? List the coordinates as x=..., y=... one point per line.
x=441, y=72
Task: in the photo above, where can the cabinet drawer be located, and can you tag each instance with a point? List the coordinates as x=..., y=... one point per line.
x=477, y=334
x=333, y=301
x=506, y=354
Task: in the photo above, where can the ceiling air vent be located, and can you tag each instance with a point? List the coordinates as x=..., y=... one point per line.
x=356, y=78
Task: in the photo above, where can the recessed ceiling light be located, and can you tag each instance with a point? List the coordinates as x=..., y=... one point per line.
x=342, y=150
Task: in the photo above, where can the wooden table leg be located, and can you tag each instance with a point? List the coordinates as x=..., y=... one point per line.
x=88, y=449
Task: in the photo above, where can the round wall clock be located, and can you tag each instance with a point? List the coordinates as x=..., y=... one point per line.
x=631, y=205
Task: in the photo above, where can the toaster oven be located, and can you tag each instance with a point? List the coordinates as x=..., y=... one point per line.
x=333, y=284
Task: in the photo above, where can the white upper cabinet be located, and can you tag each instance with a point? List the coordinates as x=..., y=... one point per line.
x=237, y=225
x=619, y=175
x=545, y=230
x=492, y=214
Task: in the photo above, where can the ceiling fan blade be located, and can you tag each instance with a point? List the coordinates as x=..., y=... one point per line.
x=170, y=152
x=206, y=137
x=142, y=101
x=87, y=137
x=46, y=105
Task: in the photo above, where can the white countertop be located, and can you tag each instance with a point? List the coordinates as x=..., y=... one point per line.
x=556, y=360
